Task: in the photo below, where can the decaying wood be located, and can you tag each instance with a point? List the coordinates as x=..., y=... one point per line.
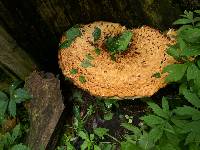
x=45, y=108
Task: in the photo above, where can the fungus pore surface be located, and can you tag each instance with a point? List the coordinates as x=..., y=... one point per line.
x=131, y=75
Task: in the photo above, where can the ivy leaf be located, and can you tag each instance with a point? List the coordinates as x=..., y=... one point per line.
x=101, y=132
x=21, y=95
x=182, y=21
x=152, y=120
x=96, y=34
x=12, y=108
x=86, y=63
x=176, y=72
x=82, y=79
x=73, y=71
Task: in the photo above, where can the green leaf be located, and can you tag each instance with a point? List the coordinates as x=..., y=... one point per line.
x=89, y=57
x=16, y=132
x=165, y=104
x=129, y=146
x=191, y=35
x=97, y=51
x=174, y=52
x=182, y=21
x=157, y=110
x=20, y=147
x=190, y=138
x=192, y=98
x=21, y=95
x=193, y=50
x=197, y=11
x=108, y=116
x=84, y=145
x=155, y=134
x=96, y=147
x=14, y=86
x=86, y=63
x=73, y=71
x=132, y=128
x=71, y=35
x=82, y=79
x=12, y=108
x=152, y=120
x=187, y=111
x=176, y=72
x=3, y=104
x=118, y=43
x=96, y=34
x=101, y=132
x=83, y=135
x=192, y=72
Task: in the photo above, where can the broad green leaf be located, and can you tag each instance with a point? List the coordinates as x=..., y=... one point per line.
x=96, y=147
x=193, y=50
x=16, y=132
x=165, y=104
x=169, y=128
x=20, y=147
x=107, y=146
x=73, y=71
x=21, y=95
x=86, y=63
x=83, y=135
x=82, y=79
x=97, y=51
x=96, y=34
x=182, y=21
x=174, y=51
x=192, y=72
x=191, y=35
x=157, y=110
x=176, y=72
x=145, y=142
x=152, y=120
x=3, y=104
x=132, y=128
x=155, y=134
x=12, y=108
x=91, y=137
x=101, y=132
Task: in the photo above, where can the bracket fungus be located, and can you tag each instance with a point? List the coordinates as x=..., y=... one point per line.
x=134, y=72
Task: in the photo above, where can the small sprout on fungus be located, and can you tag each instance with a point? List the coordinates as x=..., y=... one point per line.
x=82, y=79
x=86, y=63
x=73, y=71
x=97, y=51
x=96, y=34
x=156, y=75
x=89, y=56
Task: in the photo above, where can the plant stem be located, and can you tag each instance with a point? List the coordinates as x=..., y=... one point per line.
x=113, y=138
